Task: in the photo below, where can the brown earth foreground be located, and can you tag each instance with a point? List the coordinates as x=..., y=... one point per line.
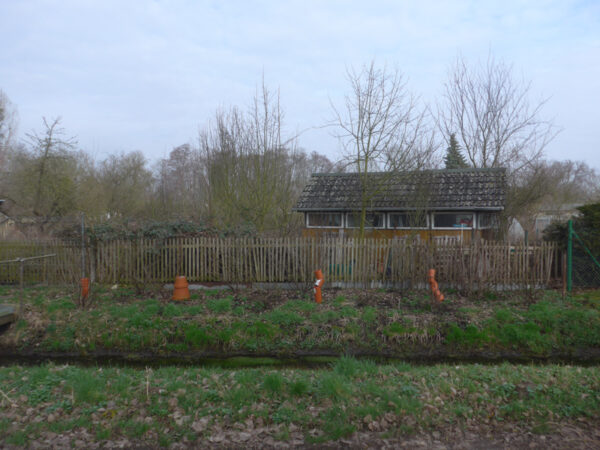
x=581, y=434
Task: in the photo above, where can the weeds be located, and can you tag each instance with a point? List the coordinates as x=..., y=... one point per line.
x=399, y=324
x=334, y=386
x=398, y=329
x=196, y=336
x=353, y=395
x=352, y=367
x=221, y=305
x=369, y=315
x=299, y=387
x=468, y=337
x=281, y=317
x=87, y=389
x=62, y=304
x=273, y=383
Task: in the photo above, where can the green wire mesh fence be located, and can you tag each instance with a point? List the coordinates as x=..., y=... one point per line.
x=583, y=257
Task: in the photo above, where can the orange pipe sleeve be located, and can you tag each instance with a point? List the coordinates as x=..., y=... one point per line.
x=181, y=289
x=434, y=286
x=85, y=287
x=318, y=284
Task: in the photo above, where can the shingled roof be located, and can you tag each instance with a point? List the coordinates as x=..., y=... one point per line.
x=475, y=189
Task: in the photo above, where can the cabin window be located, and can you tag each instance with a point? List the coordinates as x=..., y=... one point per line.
x=372, y=220
x=487, y=220
x=453, y=220
x=325, y=220
x=408, y=220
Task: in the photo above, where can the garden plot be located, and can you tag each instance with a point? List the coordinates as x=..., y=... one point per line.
x=288, y=324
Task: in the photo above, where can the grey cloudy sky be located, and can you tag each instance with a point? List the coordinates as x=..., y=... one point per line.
x=128, y=75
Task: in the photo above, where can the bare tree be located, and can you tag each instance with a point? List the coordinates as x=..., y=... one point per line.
x=49, y=148
x=248, y=166
x=8, y=125
x=179, y=183
x=126, y=184
x=498, y=125
x=41, y=180
x=90, y=196
x=491, y=113
x=380, y=127
x=551, y=188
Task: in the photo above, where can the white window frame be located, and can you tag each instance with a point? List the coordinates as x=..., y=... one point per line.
x=472, y=227
x=479, y=227
x=389, y=225
x=308, y=225
x=346, y=221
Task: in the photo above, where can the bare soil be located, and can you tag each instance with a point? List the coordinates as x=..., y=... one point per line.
x=581, y=434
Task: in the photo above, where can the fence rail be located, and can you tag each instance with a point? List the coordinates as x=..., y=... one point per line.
x=252, y=260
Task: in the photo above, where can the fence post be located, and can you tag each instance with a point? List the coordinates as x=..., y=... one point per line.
x=82, y=245
x=570, y=256
x=21, y=262
x=564, y=273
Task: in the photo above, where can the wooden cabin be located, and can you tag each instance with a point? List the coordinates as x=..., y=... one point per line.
x=448, y=204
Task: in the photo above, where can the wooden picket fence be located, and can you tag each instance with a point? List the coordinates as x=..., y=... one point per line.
x=403, y=262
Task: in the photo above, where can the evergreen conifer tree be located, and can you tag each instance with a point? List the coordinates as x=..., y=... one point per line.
x=454, y=158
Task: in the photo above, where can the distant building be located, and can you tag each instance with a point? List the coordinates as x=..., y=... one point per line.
x=541, y=221
x=7, y=226
x=561, y=213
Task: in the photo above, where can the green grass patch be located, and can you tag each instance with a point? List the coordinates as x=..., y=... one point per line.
x=369, y=315
x=196, y=336
x=60, y=304
x=282, y=317
x=392, y=323
x=273, y=383
x=398, y=329
x=470, y=336
x=323, y=404
x=220, y=305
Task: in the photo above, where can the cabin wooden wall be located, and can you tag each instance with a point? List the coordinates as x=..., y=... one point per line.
x=424, y=235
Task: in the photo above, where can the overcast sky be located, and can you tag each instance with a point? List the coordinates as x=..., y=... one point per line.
x=144, y=75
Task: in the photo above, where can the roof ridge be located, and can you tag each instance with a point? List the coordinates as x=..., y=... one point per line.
x=464, y=170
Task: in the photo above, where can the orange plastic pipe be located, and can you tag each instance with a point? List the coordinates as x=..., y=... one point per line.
x=181, y=290
x=85, y=287
x=434, y=286
x=318, y=284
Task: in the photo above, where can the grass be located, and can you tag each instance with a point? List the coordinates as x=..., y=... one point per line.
x=394, y=323
x=273, y=383
x=220, y=305
x=298, y=387
x=168, y=404
x=542, y=327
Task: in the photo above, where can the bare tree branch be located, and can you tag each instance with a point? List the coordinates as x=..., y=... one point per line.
x=380, y=128
x=492, y=116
